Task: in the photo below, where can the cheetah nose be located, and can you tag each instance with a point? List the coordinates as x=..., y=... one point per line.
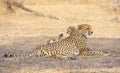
x=91, y=32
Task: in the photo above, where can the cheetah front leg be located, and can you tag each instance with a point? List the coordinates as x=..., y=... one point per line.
x=94, y=53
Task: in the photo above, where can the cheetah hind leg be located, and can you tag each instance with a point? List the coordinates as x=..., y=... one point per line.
x=65, y=57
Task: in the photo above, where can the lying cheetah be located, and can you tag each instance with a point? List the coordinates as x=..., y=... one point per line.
x=68, y=47
x=60, y=49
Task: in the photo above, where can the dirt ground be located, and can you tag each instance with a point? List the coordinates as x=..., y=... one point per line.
x=20, y=32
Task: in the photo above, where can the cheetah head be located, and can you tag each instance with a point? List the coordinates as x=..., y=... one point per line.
x=71, y=29
x=85, y=29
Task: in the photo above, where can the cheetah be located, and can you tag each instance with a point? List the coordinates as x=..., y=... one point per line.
x=62, y=49
x=69, y=47
x=69, y=30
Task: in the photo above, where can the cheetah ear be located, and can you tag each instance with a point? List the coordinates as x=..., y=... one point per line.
x=79, y=27
x=61, y=36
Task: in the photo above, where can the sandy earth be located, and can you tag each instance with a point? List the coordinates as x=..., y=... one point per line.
x=21, y=32
x=94, y=64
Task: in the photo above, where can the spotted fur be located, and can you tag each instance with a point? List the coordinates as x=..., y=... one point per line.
x=52, y=40
x=70, y=30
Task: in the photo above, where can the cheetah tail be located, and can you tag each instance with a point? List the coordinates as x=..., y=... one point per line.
x=9, y=55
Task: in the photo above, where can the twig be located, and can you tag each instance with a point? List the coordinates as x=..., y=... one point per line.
x=31, y=11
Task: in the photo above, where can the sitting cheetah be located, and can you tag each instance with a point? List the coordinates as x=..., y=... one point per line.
x=68, y=47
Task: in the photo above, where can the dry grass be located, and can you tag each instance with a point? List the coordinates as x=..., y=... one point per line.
x=89, y=70
x=22, y=31
x=71, y=14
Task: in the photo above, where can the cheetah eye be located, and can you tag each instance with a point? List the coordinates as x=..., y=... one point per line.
x=87, y=28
